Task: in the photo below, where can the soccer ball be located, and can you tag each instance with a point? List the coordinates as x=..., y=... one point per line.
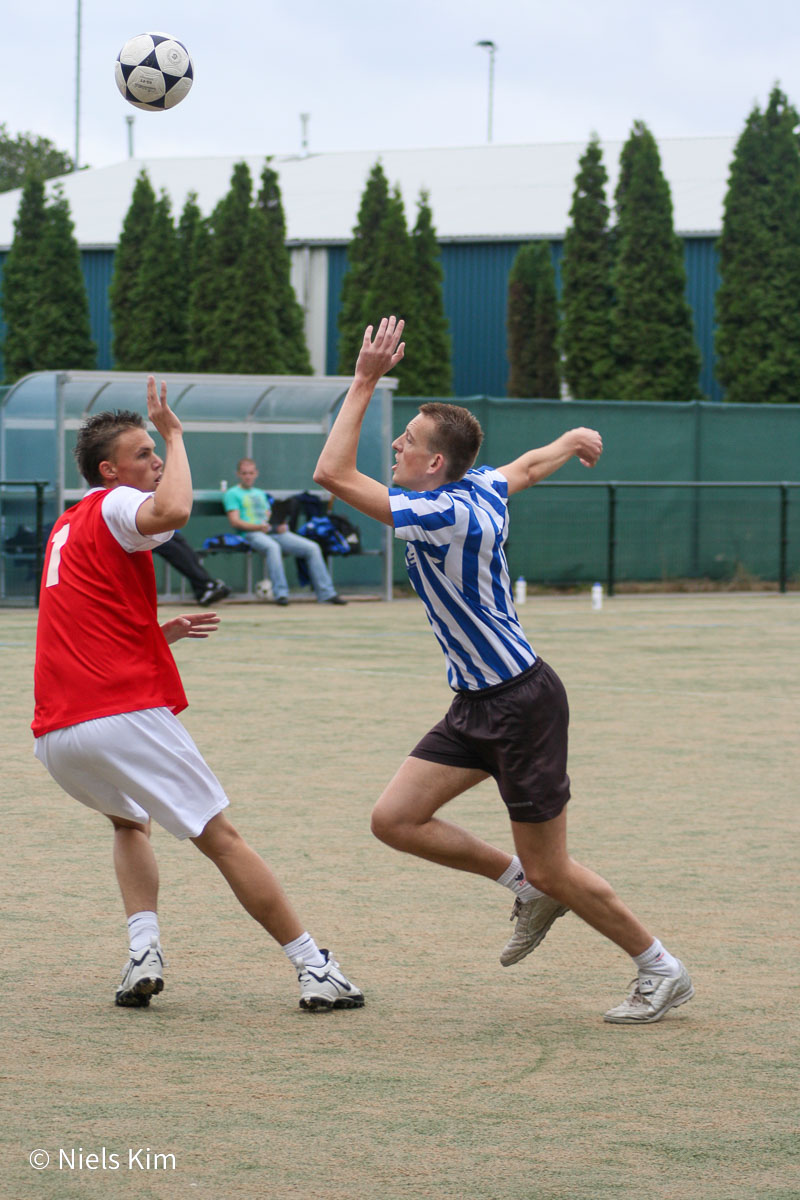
x=154, y=71
x=264, y=590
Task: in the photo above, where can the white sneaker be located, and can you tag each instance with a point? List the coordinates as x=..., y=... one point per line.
x=651, y=997
x=326, y=986
x=142, y=978
x=534, y=918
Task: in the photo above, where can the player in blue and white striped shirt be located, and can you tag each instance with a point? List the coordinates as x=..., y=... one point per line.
x=509, y=715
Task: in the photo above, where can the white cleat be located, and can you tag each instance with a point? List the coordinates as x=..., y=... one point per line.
x=142, y=977
x=651, y=997
x=326, y=987
x=534, y=918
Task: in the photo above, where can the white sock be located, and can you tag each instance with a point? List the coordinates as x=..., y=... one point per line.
x=306, y=948
x=142, y=926
x=514, y=879
x=657, y=961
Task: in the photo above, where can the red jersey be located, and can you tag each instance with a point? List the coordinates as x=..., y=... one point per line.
x=99, y=648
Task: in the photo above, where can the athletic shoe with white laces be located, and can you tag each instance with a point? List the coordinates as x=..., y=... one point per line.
x=651, y=997
x=534, y=918
x=142, y=978
x=326, y=987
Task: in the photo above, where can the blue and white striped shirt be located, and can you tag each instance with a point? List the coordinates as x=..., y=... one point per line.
x=457, y=566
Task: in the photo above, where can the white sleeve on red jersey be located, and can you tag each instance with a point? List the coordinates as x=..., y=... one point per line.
x=119, y=510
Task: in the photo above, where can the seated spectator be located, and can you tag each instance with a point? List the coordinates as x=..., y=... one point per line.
x=249, y=511
x=180, y=555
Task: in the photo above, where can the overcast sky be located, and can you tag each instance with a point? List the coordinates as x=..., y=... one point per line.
x=375, y=76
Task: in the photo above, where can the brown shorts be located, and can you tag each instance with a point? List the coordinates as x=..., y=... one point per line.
x=516, y=732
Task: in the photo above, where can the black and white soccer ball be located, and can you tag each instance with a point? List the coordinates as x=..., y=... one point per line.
x=154, y=71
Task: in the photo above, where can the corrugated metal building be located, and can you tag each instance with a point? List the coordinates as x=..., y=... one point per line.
x=486, y=202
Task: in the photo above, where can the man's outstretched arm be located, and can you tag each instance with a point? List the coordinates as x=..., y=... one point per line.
x=336, y=470
x=584, y=444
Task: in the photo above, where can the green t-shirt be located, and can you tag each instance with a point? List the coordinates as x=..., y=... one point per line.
x=252, y=504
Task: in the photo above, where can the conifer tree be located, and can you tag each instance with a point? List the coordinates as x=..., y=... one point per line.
x=202, y=306
x=429, y=371
x=20, y=282
x=291, y=322
x=259, y=343
x=391, y=285
x=61, y=331
x=758, y=314
x=229, y=223
x=532, y=324
x=653, y=337
x=157, y=338
x=127, y=261
x=188, y=224
x=586, y=296
x=360, y=267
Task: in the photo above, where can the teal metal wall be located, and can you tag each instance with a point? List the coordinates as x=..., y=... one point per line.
x=475, y=288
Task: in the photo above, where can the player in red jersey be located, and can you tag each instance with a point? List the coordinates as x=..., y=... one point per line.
x=107, y=690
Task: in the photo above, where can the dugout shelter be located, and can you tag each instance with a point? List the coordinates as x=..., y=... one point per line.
x=281, y=421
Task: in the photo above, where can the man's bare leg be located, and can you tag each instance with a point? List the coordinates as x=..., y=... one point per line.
x=135, y=866
x=137, y=875
x=404, y=818
x=253, y=883
x=542, y=849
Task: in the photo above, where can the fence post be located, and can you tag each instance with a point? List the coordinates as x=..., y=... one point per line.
x=612, y=537
x=39, y=539
x=784, y=537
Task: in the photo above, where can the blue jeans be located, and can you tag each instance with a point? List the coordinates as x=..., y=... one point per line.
x=274, y=545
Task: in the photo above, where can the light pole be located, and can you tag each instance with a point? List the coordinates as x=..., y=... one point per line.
x=78, y=23
x=492, y=48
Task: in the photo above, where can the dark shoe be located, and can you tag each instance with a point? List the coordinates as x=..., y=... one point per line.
x=335, y=599
x=283, y=601
x=215, y=590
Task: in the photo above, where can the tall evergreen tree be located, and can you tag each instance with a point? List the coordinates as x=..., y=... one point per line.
x=201, y=321
x=259, y=343
x=157, y=338
x=63, y=334
x=758, y=314
x=429, y=371
x=586, y=296
x=127, y=261
x=360, y=267
x=653, y=337
x=391, y=286
x=291, y=321
x=532, y=324
x=21, y=282
x=229, y=222
x=186, y=239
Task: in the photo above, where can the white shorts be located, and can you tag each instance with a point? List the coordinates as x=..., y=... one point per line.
x=135, y=765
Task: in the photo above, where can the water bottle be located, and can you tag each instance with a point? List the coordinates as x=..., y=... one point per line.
x=597, y=596
x=520, y=591
x=223, y=485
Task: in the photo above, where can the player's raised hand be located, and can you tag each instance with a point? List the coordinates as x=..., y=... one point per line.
x=159, y=411
x=191, y=625
x=382, y=352
x=588, y=446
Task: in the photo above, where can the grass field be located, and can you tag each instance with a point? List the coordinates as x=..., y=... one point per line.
x=459, y=1078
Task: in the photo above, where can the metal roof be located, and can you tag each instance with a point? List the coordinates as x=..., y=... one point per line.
x=270, y=400
x=481, y=192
